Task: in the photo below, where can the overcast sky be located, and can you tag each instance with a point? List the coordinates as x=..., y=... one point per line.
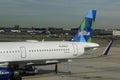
x=58, y=13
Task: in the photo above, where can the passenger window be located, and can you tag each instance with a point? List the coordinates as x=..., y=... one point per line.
x=15, y=51
x=29, y=50
x=3, y=51
x=6, y=51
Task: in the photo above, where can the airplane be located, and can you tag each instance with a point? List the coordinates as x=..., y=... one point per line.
x=14, y=55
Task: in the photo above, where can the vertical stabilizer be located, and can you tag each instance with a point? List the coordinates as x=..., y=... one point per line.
x=85, y=30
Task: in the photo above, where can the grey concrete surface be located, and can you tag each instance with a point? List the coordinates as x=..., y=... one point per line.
x=90, y=66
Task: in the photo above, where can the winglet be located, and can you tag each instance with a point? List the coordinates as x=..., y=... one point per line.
x=106, y=51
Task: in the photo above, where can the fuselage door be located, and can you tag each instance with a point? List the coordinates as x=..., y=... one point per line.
x=75, y=48
x=23, y=52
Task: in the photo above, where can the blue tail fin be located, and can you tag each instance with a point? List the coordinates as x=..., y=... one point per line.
x=85, y=30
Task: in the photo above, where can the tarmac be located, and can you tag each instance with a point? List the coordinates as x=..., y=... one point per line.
x=90, y=66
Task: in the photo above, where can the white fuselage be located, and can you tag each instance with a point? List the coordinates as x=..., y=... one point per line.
x=36, y=51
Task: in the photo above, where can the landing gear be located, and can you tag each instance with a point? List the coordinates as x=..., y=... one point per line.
x=16, y=77
x=56, y=68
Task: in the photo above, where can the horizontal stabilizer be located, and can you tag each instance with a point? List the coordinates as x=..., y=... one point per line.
x=106, y=51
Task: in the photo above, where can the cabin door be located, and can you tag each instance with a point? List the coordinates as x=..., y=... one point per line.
x=23, y=52
x=75, y=48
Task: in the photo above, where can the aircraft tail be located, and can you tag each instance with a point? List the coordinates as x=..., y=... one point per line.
x=85, y=30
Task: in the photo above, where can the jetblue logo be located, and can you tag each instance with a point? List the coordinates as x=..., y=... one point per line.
x=84, y=33
x=4, y=72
